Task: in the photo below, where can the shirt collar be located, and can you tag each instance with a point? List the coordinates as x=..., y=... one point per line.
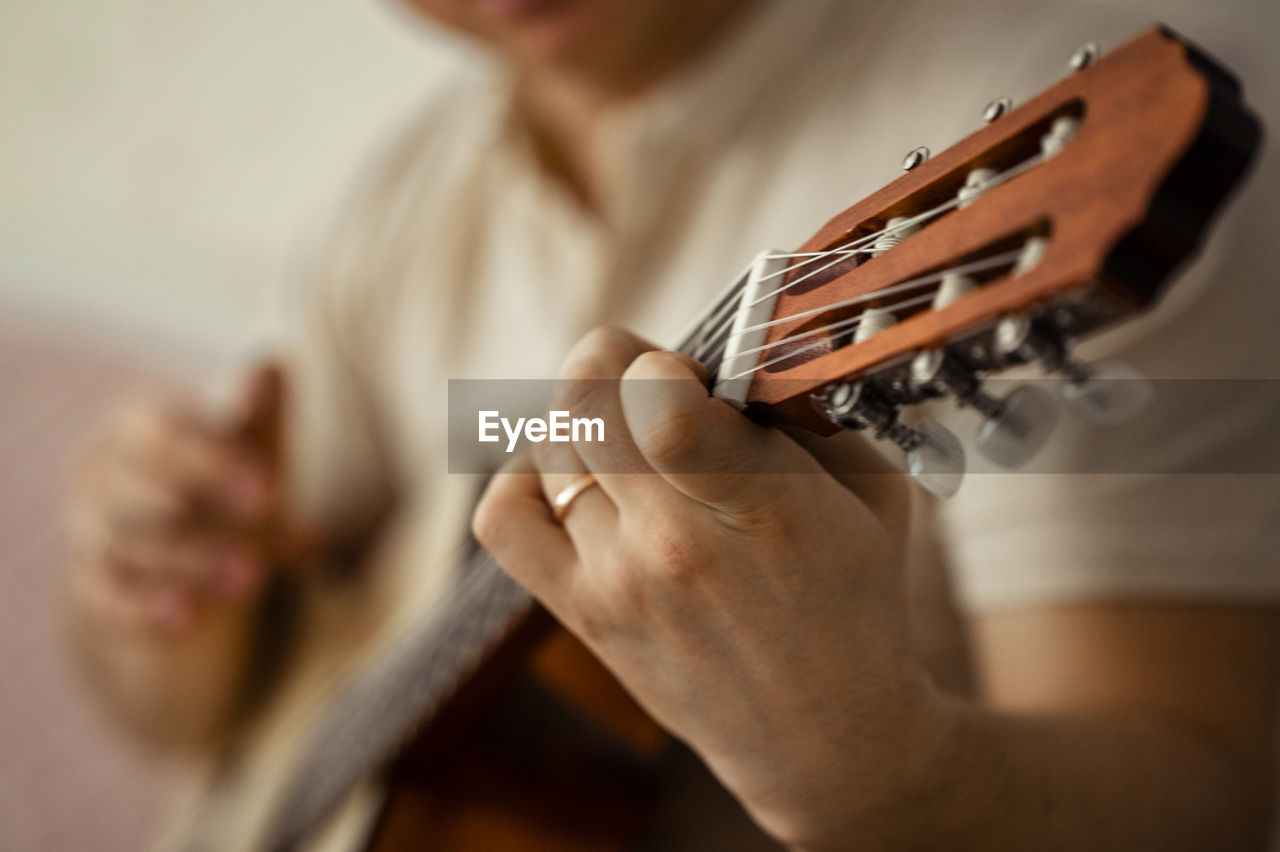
x=703, y=103
x=700, y=108
x=644, y=141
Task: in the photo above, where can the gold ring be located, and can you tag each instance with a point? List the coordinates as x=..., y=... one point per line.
x=562, y=501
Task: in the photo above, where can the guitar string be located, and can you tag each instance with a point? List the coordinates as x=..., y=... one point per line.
x=845, y=324
x=721, y=320
x=975, y=266
x=851, y=248
x=839, y=253
x=981, y=265
x=694, y=336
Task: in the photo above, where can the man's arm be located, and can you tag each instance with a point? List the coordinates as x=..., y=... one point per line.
x=1139, y=726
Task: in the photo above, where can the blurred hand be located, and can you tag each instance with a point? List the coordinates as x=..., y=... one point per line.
x=172, y=514
x=761, y=617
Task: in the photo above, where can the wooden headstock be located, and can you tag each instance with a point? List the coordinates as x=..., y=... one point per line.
x=1145, y=144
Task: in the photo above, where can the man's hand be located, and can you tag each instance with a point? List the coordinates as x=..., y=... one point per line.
x=176, y=523
x=171, y=514
x=759, y=616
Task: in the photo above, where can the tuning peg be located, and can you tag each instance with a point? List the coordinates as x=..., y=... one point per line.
x=915, y=157
x=937, y=460
x=996, y=108
x=897, y=229
x=935, y=457
x=1109, y=394
x=1062, y=131
x=1014, y=427
x=1084, y=56
x=975, y=183
x=951, y=287
x=1022, y=426
x=872, y=322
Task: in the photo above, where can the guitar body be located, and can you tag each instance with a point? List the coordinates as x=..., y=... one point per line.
x=542, y=751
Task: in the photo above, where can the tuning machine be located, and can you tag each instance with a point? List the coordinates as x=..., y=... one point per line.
x=1084, y=56
x=1014, y=427
x=935, y=457
x=1108, y=394
x=996, y=108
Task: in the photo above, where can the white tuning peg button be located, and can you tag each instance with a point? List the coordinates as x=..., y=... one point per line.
x=1110, y=394
x=937, y=459
x=1022, y=426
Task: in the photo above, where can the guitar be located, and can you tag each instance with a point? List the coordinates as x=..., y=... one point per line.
x=1061, y=217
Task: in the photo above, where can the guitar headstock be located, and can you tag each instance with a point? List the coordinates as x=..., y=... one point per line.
x=1060, y=217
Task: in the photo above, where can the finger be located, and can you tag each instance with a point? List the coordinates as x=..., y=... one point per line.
x=227, y=481
x=515, y=524
x=141, y=420
x=160, y=540
x=701, y=445
x=590, y=389
x=859, y=466
x=558, y=463
x=259, y=421
x=227, y=568
x=161, y=609
x=234, y=476
x=565, y=473
x=122, y=497
x=251, y=442
x=587, y=513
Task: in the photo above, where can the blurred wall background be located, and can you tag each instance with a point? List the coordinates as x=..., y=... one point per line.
x=158, y=157
x=161, y=162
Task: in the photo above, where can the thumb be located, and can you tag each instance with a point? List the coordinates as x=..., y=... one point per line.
x=258, y=425
x=702, y=445
x=259, y=419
